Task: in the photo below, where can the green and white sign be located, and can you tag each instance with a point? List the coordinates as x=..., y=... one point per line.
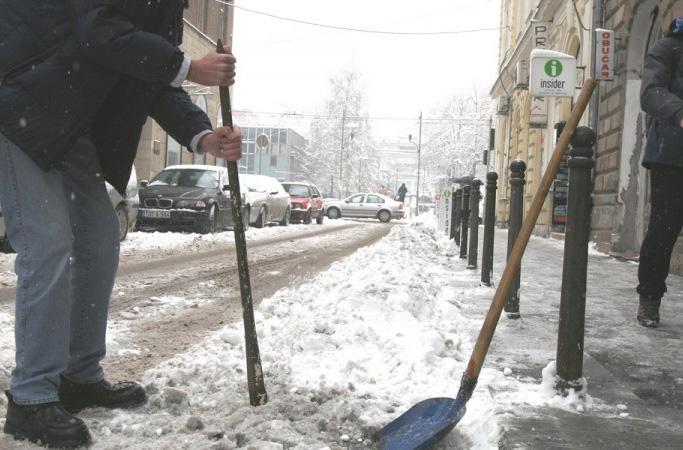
x=552, y=74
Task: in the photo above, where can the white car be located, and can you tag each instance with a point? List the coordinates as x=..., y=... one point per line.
x=366, y=204
x=126, y=208
x=126, y=211
x=266, y=201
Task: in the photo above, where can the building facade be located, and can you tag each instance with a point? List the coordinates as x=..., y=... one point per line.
x=205, y=22
x=276, y=152
x=398, y=165
x=622, y=190
x=526, y=127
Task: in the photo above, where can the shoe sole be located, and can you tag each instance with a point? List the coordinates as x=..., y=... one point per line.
x=128, y=404
x=648, y=323
x=21, y=434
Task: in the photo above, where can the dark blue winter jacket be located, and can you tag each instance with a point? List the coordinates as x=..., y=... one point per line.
x=98, y=68
x=661, y=96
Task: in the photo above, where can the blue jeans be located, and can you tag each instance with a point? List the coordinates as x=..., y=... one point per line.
x=65, y=232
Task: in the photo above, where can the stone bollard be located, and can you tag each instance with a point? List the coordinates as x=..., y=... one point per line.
x=457, y=198
x=517, y=182
x=489, y=228
x=475, y=197
x=574, y=270
x=464, y=220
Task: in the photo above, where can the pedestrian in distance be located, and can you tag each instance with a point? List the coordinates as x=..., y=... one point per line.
x=661, y=97
x=78, y=80
x=402, y=191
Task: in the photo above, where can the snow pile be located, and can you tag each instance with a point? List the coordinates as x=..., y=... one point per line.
x=343, y=355
x=162, y=240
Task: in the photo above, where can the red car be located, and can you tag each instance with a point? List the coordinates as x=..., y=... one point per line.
x=306, y=202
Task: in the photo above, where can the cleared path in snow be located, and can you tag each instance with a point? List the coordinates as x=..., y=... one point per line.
x=207, y=288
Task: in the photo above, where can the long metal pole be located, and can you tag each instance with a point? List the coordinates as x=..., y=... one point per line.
x=257, y=388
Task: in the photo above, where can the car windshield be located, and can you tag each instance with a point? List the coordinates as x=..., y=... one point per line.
x=297, y=190
x=196, y=178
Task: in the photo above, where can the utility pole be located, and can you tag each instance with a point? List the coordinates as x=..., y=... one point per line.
x=419, y=148
x=341, y=152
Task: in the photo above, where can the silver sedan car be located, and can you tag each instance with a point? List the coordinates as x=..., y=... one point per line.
x=369, y=205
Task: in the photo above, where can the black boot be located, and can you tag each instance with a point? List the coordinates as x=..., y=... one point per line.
x=47, y=424
x=648, y=311
x=75, y=396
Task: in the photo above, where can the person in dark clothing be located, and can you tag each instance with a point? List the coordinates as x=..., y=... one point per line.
x=402, y=191
x=78, y=80
x=661, y=96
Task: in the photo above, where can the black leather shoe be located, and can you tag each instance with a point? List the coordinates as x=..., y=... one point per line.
x=75, y=397
x=46, y=424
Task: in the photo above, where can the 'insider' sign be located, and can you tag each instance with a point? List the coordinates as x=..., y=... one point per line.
x=552, y=74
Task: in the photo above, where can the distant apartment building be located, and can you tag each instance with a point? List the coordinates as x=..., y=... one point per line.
x=276, y=152
x=205, y=22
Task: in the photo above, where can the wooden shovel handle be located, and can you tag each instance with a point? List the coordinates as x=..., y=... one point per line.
x=515, y=259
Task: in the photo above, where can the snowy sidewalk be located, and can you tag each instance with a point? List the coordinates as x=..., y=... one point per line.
x=635, y=375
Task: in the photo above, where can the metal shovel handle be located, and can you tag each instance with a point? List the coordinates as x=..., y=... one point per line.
x=257, y=388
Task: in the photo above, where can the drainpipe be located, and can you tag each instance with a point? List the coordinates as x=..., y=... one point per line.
x=598, y=13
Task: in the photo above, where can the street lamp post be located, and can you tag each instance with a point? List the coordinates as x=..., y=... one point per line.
x=419, y=147
x=341, y=152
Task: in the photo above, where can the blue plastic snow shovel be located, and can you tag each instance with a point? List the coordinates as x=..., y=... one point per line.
x=428, y=422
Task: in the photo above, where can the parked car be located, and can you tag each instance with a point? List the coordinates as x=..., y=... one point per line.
x=126, y=211
x=126, y=208
x=266, y=200
x=306, y=201
x=364, y=204
x=191, y=197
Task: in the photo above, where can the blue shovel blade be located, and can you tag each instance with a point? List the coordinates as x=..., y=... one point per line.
x=423, y=425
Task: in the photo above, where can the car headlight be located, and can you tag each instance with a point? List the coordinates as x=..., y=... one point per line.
x=191, y=204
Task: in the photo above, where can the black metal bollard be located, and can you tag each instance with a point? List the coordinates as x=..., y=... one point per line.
x=475, y=197
x=457, y=209
x=517, y=182
x=574, y=270
x=464, y=219
x=489, y=228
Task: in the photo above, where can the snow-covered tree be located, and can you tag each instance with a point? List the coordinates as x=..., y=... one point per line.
x=340, y=140
x=454, y=143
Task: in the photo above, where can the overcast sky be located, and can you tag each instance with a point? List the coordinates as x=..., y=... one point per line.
x=285, y=66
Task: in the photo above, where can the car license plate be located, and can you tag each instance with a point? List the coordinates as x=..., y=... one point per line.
x=156, y=214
